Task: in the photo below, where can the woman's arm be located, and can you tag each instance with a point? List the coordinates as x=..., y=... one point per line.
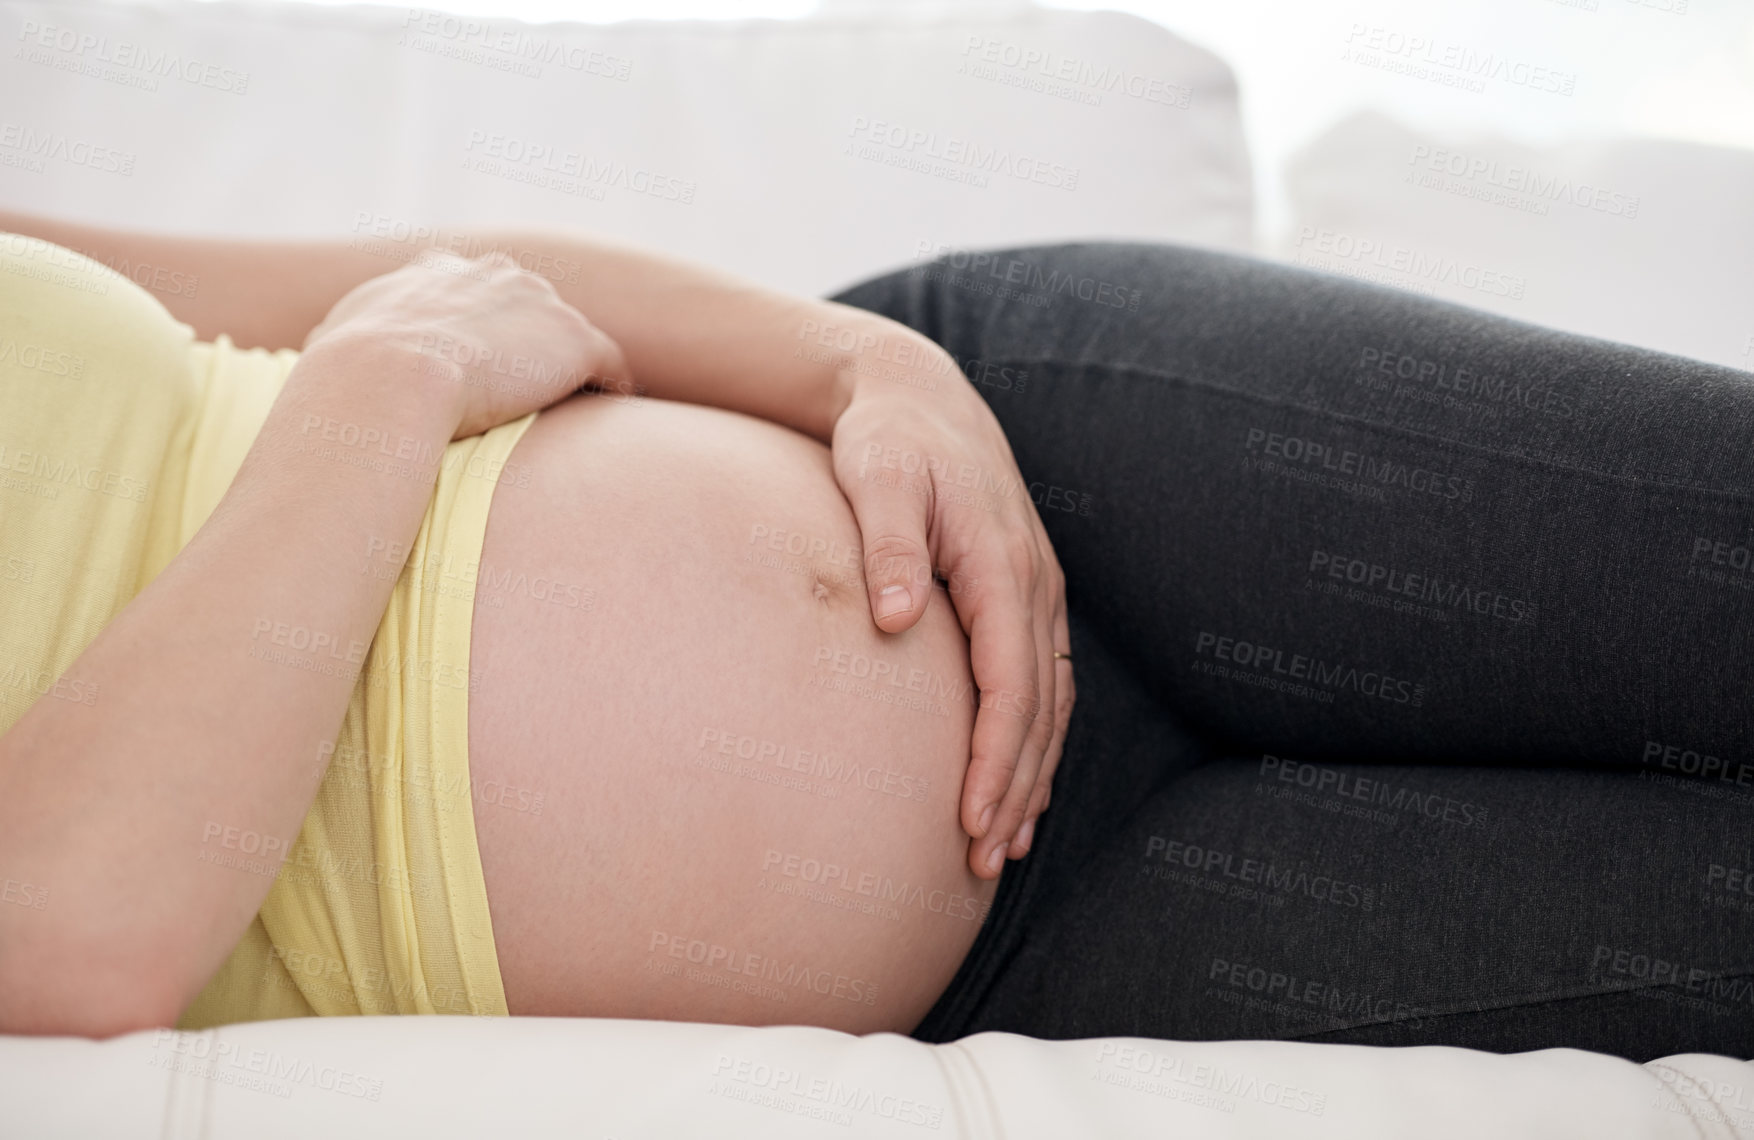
x=204, y=730
x=699, y=336
x=689, y=333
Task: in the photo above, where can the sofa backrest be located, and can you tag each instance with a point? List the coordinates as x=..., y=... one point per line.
x=804, y=153
x=1643, y=241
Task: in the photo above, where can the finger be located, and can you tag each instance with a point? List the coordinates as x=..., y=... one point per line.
x=1065, y=696
x=892, y=531
x=1007, y=670
x=608, y=366
x=1041, y=733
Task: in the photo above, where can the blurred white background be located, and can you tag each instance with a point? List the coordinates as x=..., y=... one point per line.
x=1681, y=69
x=1583, y=164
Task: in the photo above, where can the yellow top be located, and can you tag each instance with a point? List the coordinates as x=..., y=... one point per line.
x=119, y=433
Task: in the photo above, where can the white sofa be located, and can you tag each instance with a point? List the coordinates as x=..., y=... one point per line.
x=1644, y=241
x=458, y=1078
x=788, y=151
x=806, y=155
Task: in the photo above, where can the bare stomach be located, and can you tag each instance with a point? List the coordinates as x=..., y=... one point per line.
x=708, y=787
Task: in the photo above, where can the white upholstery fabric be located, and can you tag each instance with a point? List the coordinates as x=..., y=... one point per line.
x=531, y=1078
x=1642, y=241
x=318, y=117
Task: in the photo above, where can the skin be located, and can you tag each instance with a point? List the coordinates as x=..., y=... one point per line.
x=105, y=803
x=648, y=838
x=840, y=375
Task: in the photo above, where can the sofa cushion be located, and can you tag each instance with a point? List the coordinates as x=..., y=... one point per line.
x=804, y=153
x=1642, y=241
x=441, y=1077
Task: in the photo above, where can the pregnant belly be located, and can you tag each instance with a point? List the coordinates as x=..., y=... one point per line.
x=708, y=788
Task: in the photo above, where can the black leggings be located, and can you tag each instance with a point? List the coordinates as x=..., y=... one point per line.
x=1414, y=652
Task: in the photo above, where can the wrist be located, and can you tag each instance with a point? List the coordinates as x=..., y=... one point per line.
x=386, y=371
x=891, y=359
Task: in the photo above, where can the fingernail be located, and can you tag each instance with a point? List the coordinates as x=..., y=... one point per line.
x=1025, y=834
x=892, y=600
x=987, y=818
x=996, y=861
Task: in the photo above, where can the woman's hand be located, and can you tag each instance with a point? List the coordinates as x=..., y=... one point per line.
x=502, y=338
x=933, y=484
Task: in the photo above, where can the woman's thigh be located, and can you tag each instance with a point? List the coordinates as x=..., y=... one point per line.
x=1313, y=523
x=706, y=786
x=1320, y=515
x=1283, y=897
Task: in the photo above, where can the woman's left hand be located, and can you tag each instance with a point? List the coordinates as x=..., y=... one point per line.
x=934, y=487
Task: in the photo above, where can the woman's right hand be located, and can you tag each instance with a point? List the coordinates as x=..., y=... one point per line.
x=500, y=338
